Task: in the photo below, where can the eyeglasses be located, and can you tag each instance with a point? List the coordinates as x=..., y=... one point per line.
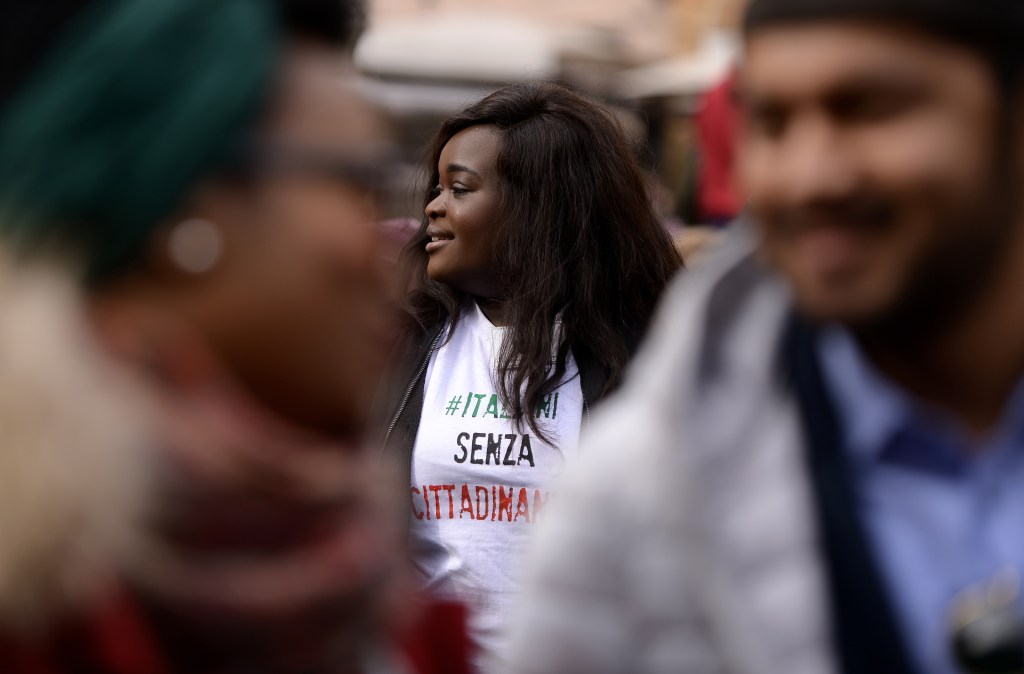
x=987, y=635
x=377, y=171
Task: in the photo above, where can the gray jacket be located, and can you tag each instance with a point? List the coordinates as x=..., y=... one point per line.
x=685, y=539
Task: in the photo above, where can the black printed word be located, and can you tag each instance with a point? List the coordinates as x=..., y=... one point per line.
x=496, y=448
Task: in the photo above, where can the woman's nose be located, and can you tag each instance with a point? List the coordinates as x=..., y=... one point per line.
x=436, y=207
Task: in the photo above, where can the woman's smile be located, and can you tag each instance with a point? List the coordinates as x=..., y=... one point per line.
x=437, y=238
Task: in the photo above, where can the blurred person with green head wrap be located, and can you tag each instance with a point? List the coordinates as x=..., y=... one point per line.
x=196, y=177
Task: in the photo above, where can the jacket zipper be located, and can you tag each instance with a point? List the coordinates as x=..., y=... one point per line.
x=408, y=392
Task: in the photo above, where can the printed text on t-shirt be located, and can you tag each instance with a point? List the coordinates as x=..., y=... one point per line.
x=459, y=406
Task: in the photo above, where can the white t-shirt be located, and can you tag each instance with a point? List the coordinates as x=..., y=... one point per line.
x=479, y=485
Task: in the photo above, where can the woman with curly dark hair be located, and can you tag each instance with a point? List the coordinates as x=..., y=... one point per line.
x=533, y=276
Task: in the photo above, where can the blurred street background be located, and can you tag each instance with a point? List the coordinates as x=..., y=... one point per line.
x=651, y=60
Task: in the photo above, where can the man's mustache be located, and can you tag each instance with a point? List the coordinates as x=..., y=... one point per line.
x=862, y=213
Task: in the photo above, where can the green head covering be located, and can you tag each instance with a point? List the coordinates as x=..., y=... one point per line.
x=136, y=101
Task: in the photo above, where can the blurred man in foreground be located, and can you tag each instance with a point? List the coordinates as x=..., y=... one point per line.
x=825, y=473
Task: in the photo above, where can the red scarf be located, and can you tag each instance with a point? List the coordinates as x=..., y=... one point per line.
x=269, y=549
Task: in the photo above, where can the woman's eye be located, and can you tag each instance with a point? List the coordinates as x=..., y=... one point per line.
x=458, y=189
x=435, y=192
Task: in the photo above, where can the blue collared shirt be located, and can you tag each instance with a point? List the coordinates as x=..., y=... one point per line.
x=942, y=512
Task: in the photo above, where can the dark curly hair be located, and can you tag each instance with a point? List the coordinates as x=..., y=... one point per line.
x=577, y=238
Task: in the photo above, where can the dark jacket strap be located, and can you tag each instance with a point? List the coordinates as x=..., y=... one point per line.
x=592, y=377
x=864, y=626
x=401, y=420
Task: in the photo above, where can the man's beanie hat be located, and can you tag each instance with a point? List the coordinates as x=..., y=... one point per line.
x=996, y=27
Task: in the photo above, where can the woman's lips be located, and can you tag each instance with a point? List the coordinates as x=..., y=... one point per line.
x=437, y=240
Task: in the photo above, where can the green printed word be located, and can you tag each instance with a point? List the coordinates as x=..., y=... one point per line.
x=459, y=406
x=475, y=401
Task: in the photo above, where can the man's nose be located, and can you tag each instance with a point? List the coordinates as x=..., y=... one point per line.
x=817, y=163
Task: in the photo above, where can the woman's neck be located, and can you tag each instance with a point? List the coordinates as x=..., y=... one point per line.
x=494, y=310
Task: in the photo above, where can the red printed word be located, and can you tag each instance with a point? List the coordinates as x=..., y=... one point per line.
x=480, y=503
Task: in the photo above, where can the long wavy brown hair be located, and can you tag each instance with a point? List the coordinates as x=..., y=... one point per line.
x=577, y=239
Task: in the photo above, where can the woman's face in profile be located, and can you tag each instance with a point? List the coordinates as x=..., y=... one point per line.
x=464, y=211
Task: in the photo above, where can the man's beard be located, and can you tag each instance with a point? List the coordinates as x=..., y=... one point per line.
x=956, y=273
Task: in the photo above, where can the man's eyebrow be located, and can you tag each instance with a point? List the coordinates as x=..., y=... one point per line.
x=887, y=80
x=853, y=84
x=459, y=168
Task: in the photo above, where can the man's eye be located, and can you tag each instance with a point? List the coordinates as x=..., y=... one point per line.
x=771, y=125
x=870, y=109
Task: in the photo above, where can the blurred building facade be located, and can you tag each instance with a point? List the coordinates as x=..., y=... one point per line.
x=424, y=59
x=637, y=28
x=640, y=30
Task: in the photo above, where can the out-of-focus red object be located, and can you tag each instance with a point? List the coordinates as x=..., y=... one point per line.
x=718, y=200
x=397, y=232
x=438, y=643
x=114, y=639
